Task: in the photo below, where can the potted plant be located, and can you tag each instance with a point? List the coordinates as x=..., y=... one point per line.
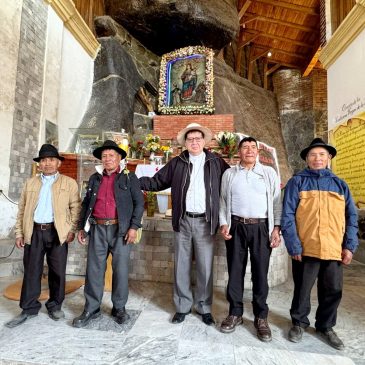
x=227, y=143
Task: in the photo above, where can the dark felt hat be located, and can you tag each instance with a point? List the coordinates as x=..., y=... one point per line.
x=318, y=142
x=109, y=145
x=48, y=150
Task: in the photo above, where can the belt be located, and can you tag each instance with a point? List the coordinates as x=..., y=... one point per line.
x=195, y=215
x=43, y=226
x=249, y=220
x=105, y=222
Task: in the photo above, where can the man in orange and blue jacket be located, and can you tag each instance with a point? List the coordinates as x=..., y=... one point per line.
x=319, y=226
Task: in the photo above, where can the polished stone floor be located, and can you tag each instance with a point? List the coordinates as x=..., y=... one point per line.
x=150, y=338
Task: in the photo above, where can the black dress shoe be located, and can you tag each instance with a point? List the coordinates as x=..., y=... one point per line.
x=85, y=318
x=56, y=315
x=120, y=315
x=20, y=319
x=179, y=317
x=207, y=318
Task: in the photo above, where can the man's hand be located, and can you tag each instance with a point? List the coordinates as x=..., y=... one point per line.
x=81, y=237
x=225, y=232
x=275, y=238
x=131, y=236
x=346, y=256
x=19, y=242
x=70, y=237
x=297, y=257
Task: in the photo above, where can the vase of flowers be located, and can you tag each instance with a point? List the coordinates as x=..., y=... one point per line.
x=227, y=143
x=135, y=148
x=167, y=151
x=151, y=144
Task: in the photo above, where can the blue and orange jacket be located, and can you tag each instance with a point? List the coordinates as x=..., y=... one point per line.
x=319, y=217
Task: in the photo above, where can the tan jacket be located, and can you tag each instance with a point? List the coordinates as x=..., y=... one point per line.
x=65, y=202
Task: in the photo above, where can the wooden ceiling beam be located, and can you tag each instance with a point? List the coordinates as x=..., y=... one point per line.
x=289, y=40
x=272, y=69
x=244, y=40
x=243, y=8
x=283, y=22
x=286, y=53
x=289, y=6
x=312, y=63
x=254, y=57
x=249, y=20
x=285, y=64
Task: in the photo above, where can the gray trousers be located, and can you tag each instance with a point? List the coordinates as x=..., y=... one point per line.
x=105, y=240
x=194, y=235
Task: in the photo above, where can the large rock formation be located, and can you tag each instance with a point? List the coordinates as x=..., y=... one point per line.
x=165, y=25
x=254, y=108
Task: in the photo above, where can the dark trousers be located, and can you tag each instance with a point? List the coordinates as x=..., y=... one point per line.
x=43, y=243
x=329, y=291
x=104, y=240
x=253, y=237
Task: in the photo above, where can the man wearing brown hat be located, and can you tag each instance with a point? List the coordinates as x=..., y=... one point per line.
x=111, y=213
x=319, y=226
x=47, y=218
x=194, y=177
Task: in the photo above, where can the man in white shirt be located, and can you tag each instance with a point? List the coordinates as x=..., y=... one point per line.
x=249, y=215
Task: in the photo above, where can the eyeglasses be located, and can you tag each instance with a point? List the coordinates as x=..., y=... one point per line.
x=196, y=139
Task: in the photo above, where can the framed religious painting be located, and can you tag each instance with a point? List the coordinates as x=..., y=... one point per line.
x=186, y=81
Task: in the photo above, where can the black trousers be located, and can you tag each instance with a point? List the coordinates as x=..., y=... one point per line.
x=253, y=237
x=329, y=291
x=43, y=243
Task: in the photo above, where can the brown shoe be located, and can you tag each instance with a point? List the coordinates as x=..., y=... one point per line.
x=230, y=323
x=263, y=329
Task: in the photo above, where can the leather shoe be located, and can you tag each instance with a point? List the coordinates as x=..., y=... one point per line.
x=56, y=315
x=179, y=317
x=85, y=318
x=295, y=333
x=263, y=329
x=207, y=318
x=230, y=323
x=20, y=319
x=120, y=315
x=332, y=339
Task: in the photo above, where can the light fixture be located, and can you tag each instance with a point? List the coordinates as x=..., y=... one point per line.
x=269, y=54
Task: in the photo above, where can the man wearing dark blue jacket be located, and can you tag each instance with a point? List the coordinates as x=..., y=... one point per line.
x=319, y=226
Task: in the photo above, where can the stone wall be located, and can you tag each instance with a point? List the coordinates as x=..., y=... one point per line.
x=28, y=95
x=302, y=104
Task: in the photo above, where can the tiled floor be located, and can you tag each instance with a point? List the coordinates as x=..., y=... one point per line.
x=150, y=338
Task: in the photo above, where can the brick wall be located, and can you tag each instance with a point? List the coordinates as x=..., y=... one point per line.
x=168, y=126
x=28, y=93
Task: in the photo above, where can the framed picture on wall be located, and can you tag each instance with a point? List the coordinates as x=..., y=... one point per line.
x=186, y=81
x=51, y=133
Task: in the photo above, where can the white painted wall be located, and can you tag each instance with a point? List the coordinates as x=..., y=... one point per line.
x=10, y=16
x=68, y=81
x=346, y=83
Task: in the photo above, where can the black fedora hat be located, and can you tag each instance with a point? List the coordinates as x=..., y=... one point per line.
x=109, y=145
x=318, y=142
x=48, y=150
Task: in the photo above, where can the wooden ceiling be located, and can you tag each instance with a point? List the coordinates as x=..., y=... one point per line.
x=288, y=29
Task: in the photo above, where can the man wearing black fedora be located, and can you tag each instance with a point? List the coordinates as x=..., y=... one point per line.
x=47, y=219
x=111, y=213
x=319, y=226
